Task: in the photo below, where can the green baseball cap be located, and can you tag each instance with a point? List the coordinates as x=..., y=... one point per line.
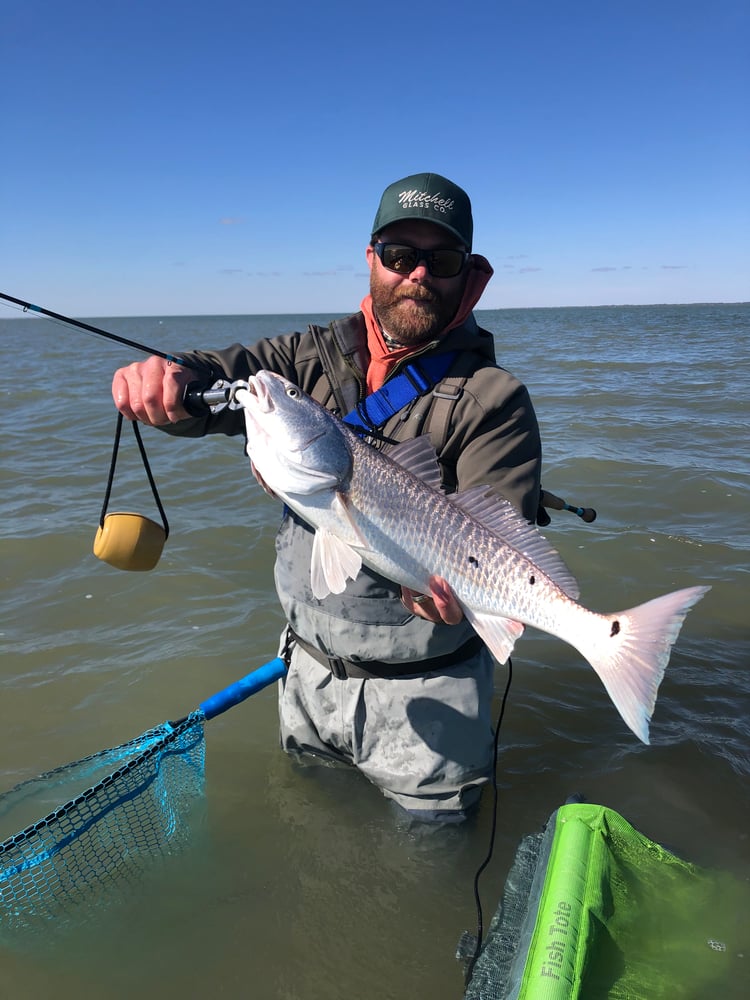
x=431, y=198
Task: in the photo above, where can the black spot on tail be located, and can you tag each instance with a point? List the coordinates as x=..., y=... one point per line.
x=615, y=629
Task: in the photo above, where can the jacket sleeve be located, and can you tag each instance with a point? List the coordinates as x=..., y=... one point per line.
x=278, y=354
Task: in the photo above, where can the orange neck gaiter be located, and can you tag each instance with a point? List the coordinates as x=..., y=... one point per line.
x=383, y=359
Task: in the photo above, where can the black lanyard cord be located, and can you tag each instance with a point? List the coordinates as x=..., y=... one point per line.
x=147, y=467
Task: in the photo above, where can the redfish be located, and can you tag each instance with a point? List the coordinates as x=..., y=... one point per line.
x=389, y=512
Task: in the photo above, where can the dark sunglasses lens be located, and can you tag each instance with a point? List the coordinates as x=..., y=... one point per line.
x=401, y=259
x=445, y=263
x=440, y=263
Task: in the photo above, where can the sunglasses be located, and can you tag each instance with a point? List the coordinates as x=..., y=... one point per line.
x=403, y=259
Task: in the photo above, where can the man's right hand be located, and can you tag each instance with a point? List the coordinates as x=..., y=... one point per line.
x=440, y=605
x=152, y=391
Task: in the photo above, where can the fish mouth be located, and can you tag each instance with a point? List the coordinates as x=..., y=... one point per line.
x=256, y=387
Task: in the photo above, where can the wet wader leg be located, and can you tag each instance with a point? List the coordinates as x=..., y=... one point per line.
x=313, y=710
x=431, y=750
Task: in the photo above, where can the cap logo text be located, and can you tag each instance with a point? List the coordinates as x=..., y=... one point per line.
x=422, y=200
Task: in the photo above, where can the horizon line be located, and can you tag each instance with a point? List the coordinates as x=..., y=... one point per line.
x=27, y=314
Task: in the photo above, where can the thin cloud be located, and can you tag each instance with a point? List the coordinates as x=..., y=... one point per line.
x=603, y=268
x=231, y=220
x=673, y=267
x=250, y=274
x=528, y=270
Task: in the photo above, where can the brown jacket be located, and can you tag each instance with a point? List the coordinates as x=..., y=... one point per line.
x=492, y=438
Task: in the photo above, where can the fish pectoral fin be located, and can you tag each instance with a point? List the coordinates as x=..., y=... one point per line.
x=498, y=634
x=333, y=563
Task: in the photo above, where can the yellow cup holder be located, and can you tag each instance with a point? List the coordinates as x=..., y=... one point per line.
x=123, y=539
x=129, y=541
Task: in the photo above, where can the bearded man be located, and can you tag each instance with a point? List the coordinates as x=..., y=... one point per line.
x=393, y=682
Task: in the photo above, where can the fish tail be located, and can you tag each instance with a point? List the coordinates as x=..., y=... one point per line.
x=630, y=651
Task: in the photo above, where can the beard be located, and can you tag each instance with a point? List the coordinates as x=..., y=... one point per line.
x=413, y=314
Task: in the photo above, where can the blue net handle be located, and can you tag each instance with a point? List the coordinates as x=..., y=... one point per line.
x=243, y=688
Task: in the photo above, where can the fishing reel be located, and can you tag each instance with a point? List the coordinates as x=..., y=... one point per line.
x=220, y=396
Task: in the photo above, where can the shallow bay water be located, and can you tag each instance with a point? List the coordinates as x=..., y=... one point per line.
x=303, y=883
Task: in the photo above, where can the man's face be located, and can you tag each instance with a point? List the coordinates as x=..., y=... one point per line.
x=414, y=308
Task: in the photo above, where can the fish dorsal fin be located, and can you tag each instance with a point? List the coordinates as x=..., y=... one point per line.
x=503, y=520
x=419, y=458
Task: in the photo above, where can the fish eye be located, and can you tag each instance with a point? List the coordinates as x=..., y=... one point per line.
x=292, y=392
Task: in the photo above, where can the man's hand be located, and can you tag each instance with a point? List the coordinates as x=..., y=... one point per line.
x=440, y=605
x=151, y=391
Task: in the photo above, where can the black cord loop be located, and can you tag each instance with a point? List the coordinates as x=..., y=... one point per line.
x=147, y=467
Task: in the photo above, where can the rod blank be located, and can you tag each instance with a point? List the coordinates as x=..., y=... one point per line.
x=102, y=333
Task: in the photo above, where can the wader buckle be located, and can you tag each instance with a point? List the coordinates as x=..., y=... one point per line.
x=337, y=667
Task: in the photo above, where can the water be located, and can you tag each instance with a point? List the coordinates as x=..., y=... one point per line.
x=304, y=884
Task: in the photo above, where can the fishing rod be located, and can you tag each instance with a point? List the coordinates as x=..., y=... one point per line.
x=196, y=398
x=101, y=333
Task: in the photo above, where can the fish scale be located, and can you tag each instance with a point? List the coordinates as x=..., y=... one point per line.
x=484, y=571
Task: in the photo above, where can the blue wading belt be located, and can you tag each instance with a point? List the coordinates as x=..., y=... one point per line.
x=415, y=380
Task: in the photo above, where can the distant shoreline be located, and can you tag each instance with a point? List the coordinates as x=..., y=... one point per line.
x=25, y=314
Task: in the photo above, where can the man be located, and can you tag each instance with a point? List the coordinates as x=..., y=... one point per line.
x=394, y=682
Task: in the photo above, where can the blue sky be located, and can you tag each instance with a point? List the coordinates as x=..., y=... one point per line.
x=167, y=158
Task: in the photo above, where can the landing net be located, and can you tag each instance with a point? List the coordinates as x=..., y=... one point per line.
x=125, y=808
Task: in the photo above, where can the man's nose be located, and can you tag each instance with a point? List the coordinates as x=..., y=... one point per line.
x=420, y=269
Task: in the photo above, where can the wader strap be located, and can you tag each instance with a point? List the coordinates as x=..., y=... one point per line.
x=336, y=344
x=341, y=668
x=445, y=396
x=417, y=379
x=328, y=369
